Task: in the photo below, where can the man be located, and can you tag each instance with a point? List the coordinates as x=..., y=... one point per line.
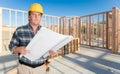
x=22, y=36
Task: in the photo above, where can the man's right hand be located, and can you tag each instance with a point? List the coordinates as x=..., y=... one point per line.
x=21, y=50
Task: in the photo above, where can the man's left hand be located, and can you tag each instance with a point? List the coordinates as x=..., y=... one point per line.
x=52, y=52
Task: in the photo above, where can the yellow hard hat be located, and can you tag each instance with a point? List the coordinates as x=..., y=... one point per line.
x=36, y=8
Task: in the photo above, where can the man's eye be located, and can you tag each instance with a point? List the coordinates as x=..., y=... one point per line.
x=33, y=14
x=39, y=15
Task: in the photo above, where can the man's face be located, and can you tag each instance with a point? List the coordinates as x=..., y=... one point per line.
x=34, y=18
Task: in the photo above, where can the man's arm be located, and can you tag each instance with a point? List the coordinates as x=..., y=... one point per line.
x=14, y=44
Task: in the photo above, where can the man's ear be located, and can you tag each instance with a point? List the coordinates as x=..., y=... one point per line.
x=28, y=17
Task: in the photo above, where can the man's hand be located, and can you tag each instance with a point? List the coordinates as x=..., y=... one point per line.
x=21, y=50
x=52, y=52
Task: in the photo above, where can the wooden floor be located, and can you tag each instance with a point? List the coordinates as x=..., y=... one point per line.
x=89, y=60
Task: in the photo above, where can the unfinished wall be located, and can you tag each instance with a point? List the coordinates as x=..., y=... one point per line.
x=99, y=29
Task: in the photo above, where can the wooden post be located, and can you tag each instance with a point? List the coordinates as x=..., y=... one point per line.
x=67, y=26
x=97, y=28
x=77, y=41
x=103, y=26
x=71, y=46
x=107, y=31
x=53, y=24
x=68, y=48
x=90, y=31
x=79, y=30
x=115, y=23
x=118, y=29
x=0, y=30
x=76, y=44
x=75, y=26
x=74, y=41
x=87, y=31
x=62, y=53
x=63, y=25
x=109, y=38
x=60, y=25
